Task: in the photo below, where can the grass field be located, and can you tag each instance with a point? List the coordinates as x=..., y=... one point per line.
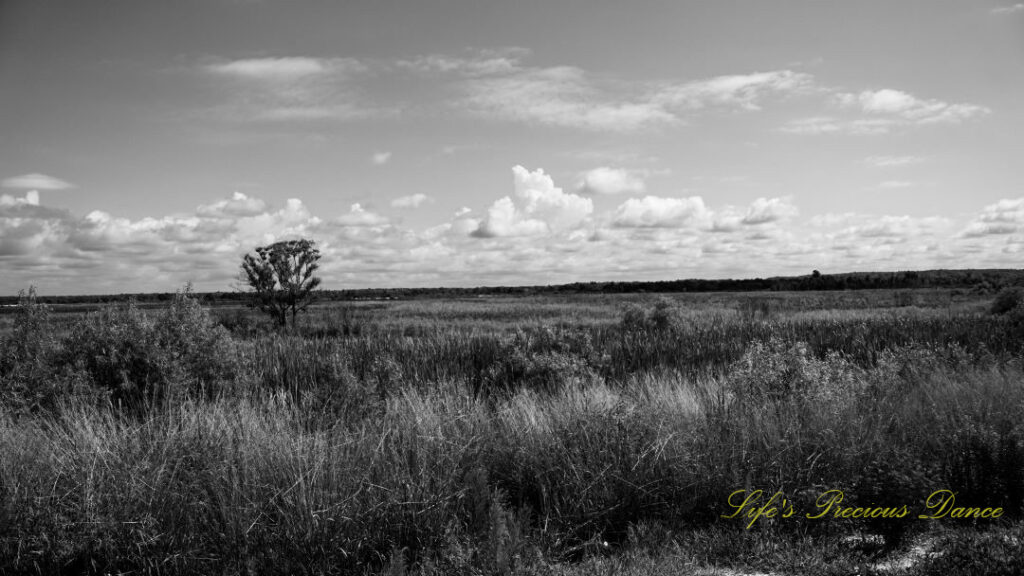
x=531, y=435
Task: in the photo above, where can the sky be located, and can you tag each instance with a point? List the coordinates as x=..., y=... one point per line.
x=147, y=144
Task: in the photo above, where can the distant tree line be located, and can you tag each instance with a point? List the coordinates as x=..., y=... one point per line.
x=988, y=281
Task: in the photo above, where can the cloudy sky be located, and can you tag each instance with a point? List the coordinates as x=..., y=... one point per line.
x=144, y=144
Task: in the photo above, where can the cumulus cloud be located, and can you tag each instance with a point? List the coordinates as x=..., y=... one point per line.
x=380, y=158
x=765, y=210
x=1003, y=217
x=658, y=212
x=238, y=205
x=546, y=236
x=410, y=201
x=543, y=208
x=31, y=198
x=359, y=216
x=36, y=181
x=608, y=181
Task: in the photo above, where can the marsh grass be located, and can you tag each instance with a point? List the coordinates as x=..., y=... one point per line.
x=519, y=450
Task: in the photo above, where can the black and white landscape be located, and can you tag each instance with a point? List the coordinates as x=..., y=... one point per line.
x=532, y=287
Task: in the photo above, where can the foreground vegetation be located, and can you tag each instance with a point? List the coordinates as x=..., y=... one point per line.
x=536, y=436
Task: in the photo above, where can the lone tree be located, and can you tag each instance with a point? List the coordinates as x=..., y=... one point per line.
x=281, y=277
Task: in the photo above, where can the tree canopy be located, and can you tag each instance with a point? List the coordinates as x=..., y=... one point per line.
x=281, y=277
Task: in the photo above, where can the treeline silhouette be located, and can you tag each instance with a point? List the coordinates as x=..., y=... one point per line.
x=984, y=281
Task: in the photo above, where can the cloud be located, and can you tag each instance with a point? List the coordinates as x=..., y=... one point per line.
x=284, y=69
x=560, y=96
x=658, y=212
x=609, y=181
x=910, y=109
x=1008, y=9
x=568, y=96
x=537, y=234
x=543, y=208
x=817, y=125
x=36, y=181
x=892, y=161
x=479, y=63
x=765, y=210
x=1003, y=217
x=290, y=89
x=31, y=199
x=238, y=205
x=358, y=216
x=873, y=112
x=743, y=91
x=411, y=201
x=380, y=158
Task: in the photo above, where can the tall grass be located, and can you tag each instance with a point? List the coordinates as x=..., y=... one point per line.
x=496, y=451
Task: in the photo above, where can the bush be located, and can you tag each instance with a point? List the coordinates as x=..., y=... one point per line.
x=1007, y=300
x=31, y=377
x=776, y=370
x=186, y=332
x=138, y=359
x=542, y=361
x=662, y=318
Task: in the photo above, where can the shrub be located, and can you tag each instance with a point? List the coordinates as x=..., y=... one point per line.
x=31, y=338
x=193, y=340
x=662, y=318
x=1007, y=300
x=776, y=370
x=31, y=378
x=136, y=358
x=541, y=361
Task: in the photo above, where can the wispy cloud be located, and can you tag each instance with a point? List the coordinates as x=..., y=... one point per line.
x=817, y=125
x=1009, y=9
x=36, y=181
x=294, y=88
x=478, y=63
x=872, y=112
x=502, y=87
x=743, y=91
x=284, y=68
x=892, y=161
x=907, y=108
x=560, y=96
x=380, y=158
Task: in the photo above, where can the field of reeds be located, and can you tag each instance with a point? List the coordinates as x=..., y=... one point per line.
x=561, y=434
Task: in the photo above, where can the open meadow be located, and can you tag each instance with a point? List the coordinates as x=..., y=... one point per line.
x=553, y=434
